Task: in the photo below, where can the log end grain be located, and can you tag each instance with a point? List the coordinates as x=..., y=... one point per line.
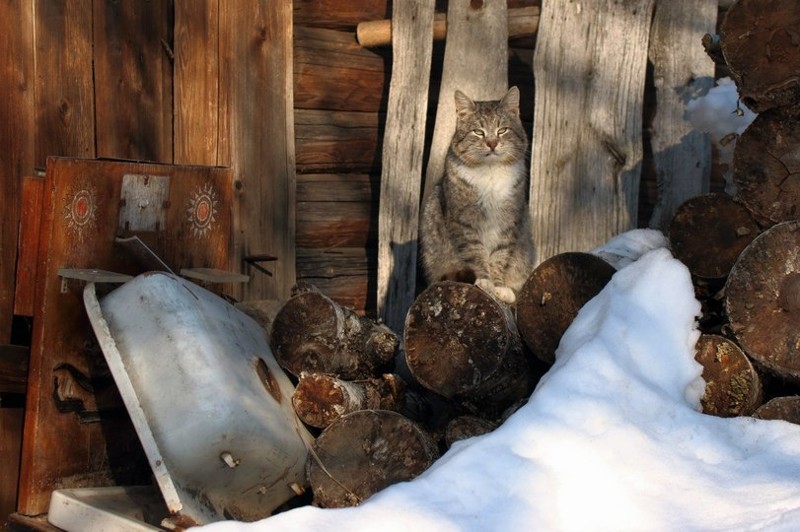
x=455, y=336
x=552, y=296
x=733, y=387
x=760, y=43
x=785, y=408
x=708, y=232
x=761, y=300
x=364, y=452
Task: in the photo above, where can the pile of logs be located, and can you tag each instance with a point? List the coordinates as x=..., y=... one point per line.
x=744, y=250
x=385, y=405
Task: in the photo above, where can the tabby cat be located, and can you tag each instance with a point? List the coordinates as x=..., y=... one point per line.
x=475, y=225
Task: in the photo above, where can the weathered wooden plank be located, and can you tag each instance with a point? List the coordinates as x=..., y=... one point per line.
x=11, y=419
x=475, y=62
x=64, y=86
x=259, y=133
x=28, y=250
x=334, y=225
x=333, y=72
x=339, y=262
x=133, y=79
x=196, y=72
x=337, y=187
x=339, y=14
x=589, y=67
x=682, y=70
x=16, y=140
x=338, y=141
x=401, y=178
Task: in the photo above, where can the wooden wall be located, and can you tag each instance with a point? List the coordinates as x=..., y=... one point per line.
x=198, y=82
x=340, y=95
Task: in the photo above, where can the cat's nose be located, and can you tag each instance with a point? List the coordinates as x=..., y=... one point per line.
x=492, y=143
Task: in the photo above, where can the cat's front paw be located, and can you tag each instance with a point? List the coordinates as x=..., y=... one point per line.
x=503, y=293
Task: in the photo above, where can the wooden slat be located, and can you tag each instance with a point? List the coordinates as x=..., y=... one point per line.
x=401, y=179
x=28, y=254
x=133, y=79
x=16, y=140
x=64, y=86
x=339, y=14
x=475, y=62
x=256, y=66
x=329, y=264
x=682, y=155
x=589, y=67
x=331, y=71
x=335, y=225
x=196, y=71
x=340, y=142
x=337, y=187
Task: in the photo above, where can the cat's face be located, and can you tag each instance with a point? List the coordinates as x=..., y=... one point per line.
x=489, y=132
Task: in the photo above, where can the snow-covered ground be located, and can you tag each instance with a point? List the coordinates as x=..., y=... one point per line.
x=612, y=438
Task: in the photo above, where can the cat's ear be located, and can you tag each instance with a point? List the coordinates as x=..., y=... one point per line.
x=463, y=103
x=511, y=100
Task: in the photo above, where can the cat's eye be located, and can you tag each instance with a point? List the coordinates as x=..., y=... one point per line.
x=479, y=132
x=502, y=131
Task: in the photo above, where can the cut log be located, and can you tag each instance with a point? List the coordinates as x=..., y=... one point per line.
x=463, y=427
x=733, y=387
x=462, y=343
x=522, y=22
x=709, y=232
x=313, y=333
x=766, y=167
x=762, y=49
x=785, y=408
x=763, y=300
x=362, y=453
x=320, y=399
x=552, y=296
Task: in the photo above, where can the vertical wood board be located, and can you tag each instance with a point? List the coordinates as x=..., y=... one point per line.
x=589, y=66
x=28, y=256
x=682, y=71
x=133, y=79
x=64, y=83
x=404, y=137
x=196, y=83
x=475, y=62
x=16, y=141
x=257, y=135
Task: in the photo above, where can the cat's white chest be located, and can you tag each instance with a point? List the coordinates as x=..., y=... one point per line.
x=494, y=184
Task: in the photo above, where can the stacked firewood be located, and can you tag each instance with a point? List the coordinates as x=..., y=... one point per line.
x=744, y=250
x=385, y=406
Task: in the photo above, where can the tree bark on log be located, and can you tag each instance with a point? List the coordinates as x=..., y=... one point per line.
x=463, y=344
x=760, y=43
x=766, y=167
x=552, y=296
x=313, y=333
x=709, y=232
x=362, y=453
x=463, y=427
x=320, y=399
x=763, y=300
x=733, y=387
